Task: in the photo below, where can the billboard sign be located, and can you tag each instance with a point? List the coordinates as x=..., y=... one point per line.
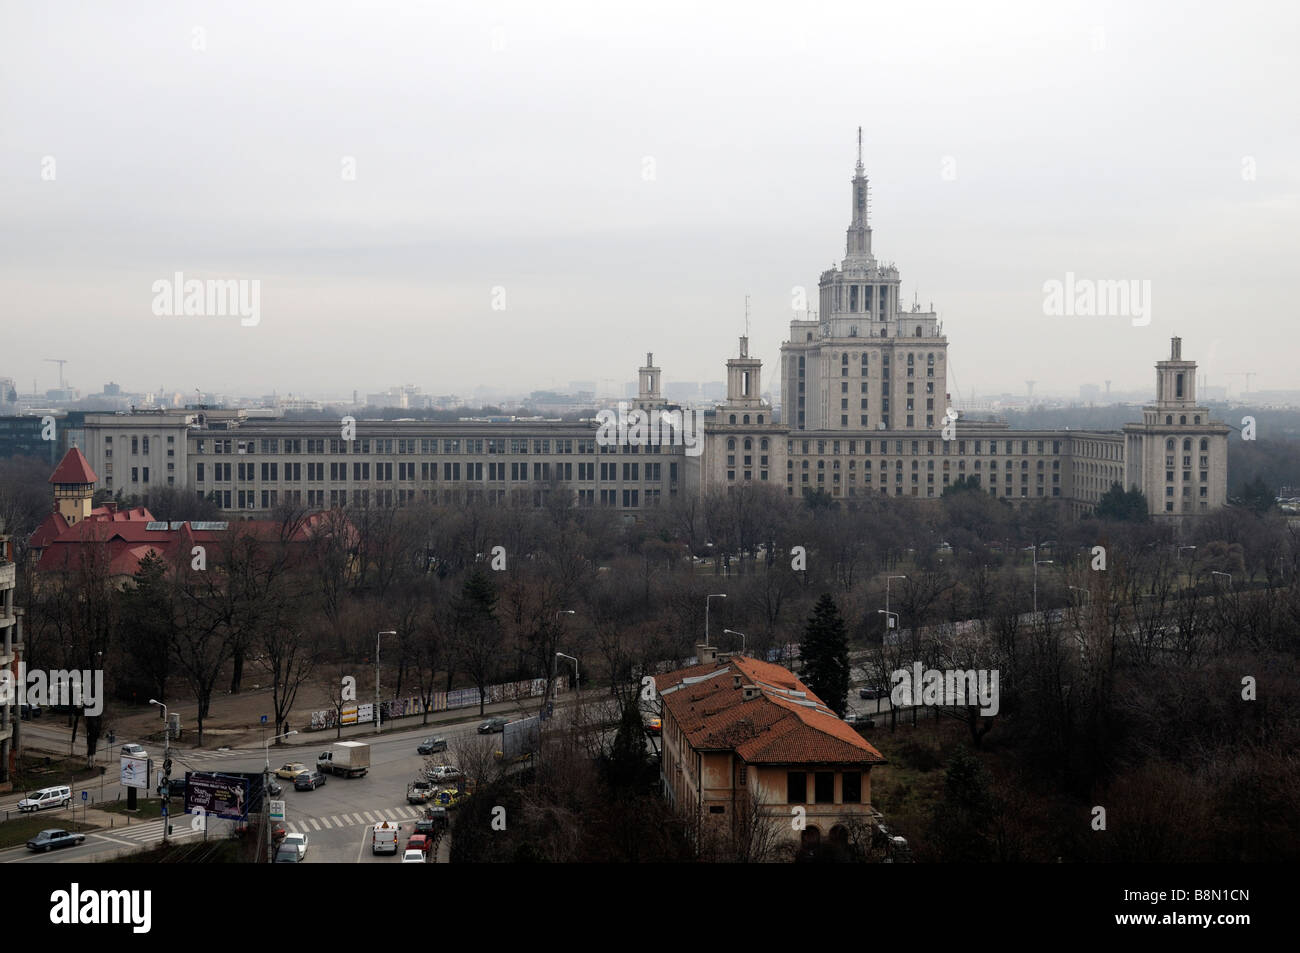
x=220, y=795
x=135, y=772
x=277, y=810
x=521, y=738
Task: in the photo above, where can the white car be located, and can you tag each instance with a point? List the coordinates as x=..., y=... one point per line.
x=134, y=751
x=443, y=773
x=413, y=857
x=296, y=842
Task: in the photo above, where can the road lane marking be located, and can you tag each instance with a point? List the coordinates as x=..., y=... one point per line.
x=314, y=824
x=370, y=817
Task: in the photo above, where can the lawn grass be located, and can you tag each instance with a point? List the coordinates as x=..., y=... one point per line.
x=147, y=809
x=20, y=830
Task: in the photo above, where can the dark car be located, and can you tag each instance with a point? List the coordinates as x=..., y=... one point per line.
x=868, y=693
x=493, y=725
x=273, y=788
x=48, y=840
x=434, y=819
x=288, y=855
x=175, y=788
x=430, y=745
x=308, y=781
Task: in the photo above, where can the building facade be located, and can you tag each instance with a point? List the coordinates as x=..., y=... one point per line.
x=748, y=749
x=11, y=647
x=865, y=413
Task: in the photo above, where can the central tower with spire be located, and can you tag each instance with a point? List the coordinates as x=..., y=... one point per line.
x=861, y=363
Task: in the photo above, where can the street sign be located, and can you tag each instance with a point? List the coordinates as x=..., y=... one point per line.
x=164, y=812
x=85, y=795
x=277, y=810
x=263, y=719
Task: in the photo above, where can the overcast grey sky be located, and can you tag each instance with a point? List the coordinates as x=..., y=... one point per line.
x=505, y=145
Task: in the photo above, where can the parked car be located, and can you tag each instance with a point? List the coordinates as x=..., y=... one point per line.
x=430, y=745
x=433, y=819
x=273, y=787
x=444, y=773
x=288, y=855
x=654, y=725
x=870, y=693
x=290, y=770
x=49, y=840
x=296, y=842
x=134, y=751
x=58, y=796
x=278, y=833
x=414, y=857
x=175, y=787
x=493, y=725
x=308, y=781
x=421, y=843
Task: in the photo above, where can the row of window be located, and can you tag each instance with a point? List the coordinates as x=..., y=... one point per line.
x=268, y=499
x=406, y=472
x=426, y=446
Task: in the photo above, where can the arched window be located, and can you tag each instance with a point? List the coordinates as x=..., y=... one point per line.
x=749, y=444
x=733, y=418
x=929, y=359
x=918, y=330
x=760, y=418
x=1169, y=419
x=1205, y=445
x=746, y=418
x=911, y=359
x=731, y=443
x=844, y=358
x=1197, y=418
x=1187, y=444
x=1169, y=444
x=1182, y=419
x=762, y=444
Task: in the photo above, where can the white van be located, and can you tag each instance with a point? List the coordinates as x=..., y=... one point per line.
x=58, y=796
x=384, y=838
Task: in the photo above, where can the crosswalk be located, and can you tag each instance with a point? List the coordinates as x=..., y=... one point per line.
x=353, y=819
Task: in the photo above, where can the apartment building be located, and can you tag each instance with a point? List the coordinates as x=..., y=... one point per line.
x=11, y=647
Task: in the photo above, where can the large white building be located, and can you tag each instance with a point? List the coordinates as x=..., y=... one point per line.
x=865, y=413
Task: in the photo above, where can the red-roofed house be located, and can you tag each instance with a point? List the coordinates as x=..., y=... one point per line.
x=124, y=537
x=745, y=739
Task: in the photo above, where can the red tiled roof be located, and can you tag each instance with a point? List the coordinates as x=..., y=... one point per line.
x=73, y=468
x=784, y=724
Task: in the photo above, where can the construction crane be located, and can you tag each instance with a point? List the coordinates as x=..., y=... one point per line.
x=55, y=360
x=1246, y=374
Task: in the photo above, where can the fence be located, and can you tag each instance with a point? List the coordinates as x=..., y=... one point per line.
x=440, y=701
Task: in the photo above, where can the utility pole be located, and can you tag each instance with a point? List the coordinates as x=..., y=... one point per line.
x=167, y=767
x=379, y=718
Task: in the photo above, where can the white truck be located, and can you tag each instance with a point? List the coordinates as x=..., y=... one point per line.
x=349, y=759
x=384, y=838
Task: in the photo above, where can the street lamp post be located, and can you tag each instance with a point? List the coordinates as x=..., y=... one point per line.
x=557, y=624
x=742, y=638
x=1037, y=561
x=888, y=580
x=379, y=718
x=1216, y=572
x=577, y=687
x=716, y=595
x=889, y=616
x=167, y=761
x=266, y=797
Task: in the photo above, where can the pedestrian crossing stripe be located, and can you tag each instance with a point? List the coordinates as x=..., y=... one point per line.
x=395, y=815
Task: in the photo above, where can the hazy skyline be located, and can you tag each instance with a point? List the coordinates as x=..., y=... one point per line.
x=506, y=147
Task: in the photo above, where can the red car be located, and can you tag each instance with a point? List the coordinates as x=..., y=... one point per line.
x=420, y=842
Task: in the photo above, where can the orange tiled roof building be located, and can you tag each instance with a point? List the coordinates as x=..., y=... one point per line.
x=746, y=744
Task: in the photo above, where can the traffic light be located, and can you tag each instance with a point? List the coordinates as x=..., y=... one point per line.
x=167, y=768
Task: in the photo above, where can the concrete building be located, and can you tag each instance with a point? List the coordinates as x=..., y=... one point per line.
x=745, y=741
x=11, y=648
x=1177, y=456
x=865, y=412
